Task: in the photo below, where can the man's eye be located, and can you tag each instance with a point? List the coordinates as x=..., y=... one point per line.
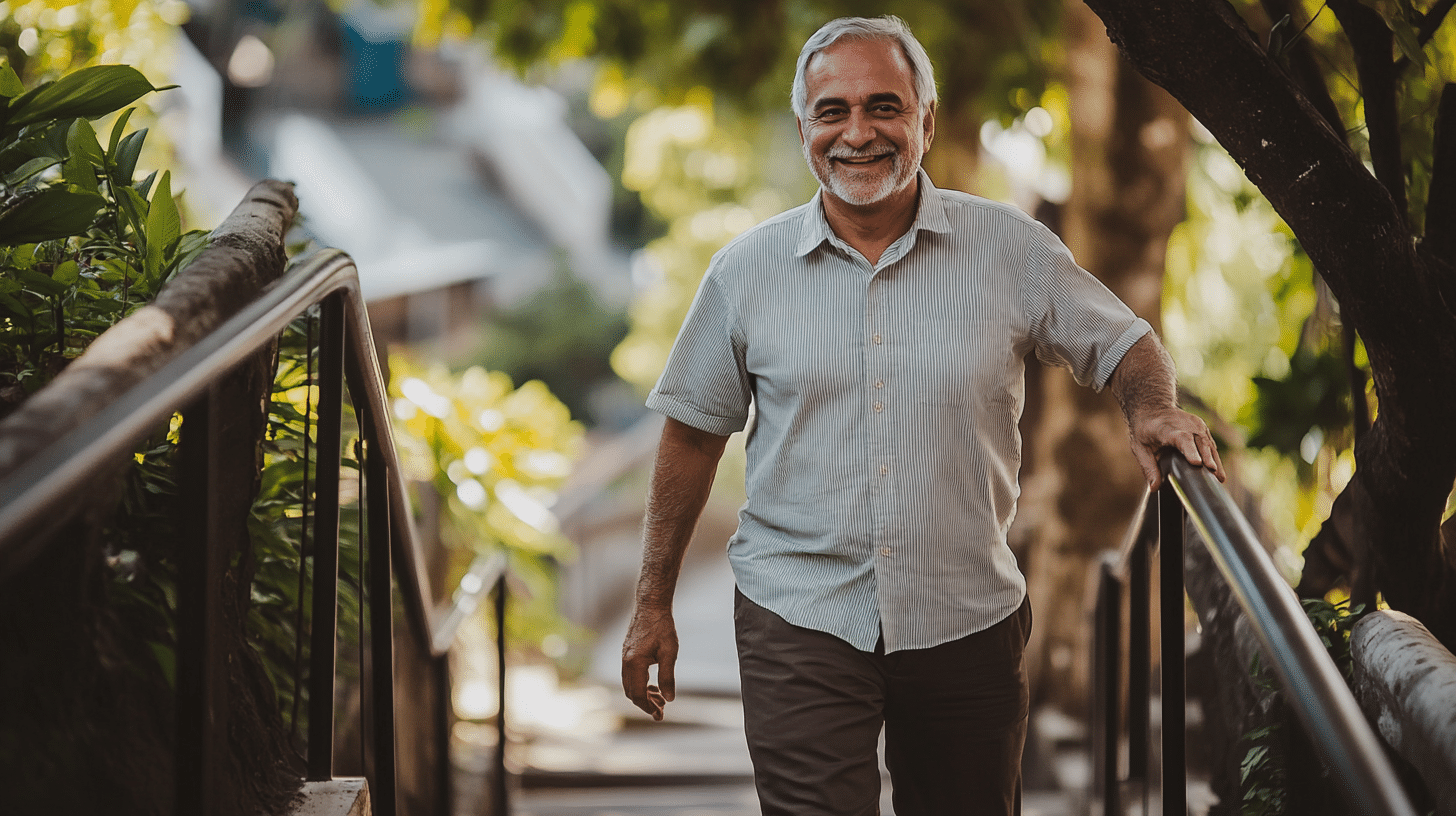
x=886, y=110
x=831, y=115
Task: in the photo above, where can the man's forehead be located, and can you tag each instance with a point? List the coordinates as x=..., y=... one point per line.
x=877, y=59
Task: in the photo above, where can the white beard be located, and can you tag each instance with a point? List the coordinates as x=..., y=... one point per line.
x=861, y=191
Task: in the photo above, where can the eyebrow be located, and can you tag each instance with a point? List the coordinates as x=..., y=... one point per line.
x=885, y=96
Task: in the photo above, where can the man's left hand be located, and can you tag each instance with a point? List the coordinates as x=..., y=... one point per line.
x=1172, y=428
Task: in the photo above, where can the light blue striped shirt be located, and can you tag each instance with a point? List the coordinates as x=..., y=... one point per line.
x=883, y=455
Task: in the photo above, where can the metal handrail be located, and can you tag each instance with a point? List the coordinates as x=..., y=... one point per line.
x=1320, y=697
x=31, y=495
x=33, y=492
x=1322, y=702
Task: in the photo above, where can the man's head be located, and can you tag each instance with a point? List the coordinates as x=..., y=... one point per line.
x=864, y=95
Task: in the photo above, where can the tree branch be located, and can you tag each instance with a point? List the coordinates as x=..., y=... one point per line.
x=1433, y=19
x=1440, y=237
x=1372, y=41
x=1305, y=70
x=1362, y=243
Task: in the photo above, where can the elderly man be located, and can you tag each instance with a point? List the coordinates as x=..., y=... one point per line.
x=879, y=333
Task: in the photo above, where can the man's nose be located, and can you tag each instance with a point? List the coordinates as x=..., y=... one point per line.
x=859, y=130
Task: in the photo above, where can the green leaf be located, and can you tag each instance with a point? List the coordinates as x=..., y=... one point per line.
x=29, y=169
x=81, y=138
x=41, y=282
x=1407, y=40
x=164, y=225
x=189, y=246
x=10, y=84
x=145, y=185
x=15, y=308
x=166, y=661
x=67, y=273
x=117, y=129
x=125, y=156
x=52, y=213
x=89, y=93
x=85, y=154
x=134, y=209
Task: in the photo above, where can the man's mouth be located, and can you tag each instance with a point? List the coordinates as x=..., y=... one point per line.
x=860, y=161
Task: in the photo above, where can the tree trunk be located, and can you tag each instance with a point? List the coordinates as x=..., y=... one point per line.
x=1130, y=150
x=1396, y=292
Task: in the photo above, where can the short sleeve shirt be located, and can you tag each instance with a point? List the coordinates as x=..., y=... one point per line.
x=883, y=452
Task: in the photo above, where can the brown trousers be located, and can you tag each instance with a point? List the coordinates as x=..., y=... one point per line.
x=954, y=718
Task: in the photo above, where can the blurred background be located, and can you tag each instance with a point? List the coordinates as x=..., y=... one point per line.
x=532, y=190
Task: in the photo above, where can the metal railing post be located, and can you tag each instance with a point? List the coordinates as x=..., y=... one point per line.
x=201, y=678
x=1173, y=687
x=1107, y=688
x=381, y=624
x=326, y=541
x=500, y=799
x=1139, y=660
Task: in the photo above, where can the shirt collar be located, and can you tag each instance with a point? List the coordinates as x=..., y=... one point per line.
x=930, y=215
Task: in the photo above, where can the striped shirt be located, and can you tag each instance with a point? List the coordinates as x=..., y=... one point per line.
x=883, y=456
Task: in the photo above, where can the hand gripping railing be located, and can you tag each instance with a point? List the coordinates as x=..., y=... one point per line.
x=35, y=491
x=1318, y=694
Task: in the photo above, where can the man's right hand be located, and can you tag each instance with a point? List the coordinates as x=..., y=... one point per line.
x=651, y=639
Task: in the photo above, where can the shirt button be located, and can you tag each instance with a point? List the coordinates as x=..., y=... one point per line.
x=877, y=339
x=879, y=406
x=879, y=383
x=886, y=551
x=884, y=469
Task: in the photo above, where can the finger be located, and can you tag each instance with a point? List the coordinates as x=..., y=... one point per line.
x=634, y=683
x=666, y=676
x=1213, y=462
x=1188, y=446
x=1149, y=465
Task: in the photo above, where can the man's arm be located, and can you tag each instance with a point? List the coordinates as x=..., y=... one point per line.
x=687, y=460
x=1145, y=386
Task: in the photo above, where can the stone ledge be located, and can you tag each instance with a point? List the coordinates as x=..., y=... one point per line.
x=337, y=797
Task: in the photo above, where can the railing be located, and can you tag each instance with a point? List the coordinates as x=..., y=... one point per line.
x=346, y=354
x=1319, y=696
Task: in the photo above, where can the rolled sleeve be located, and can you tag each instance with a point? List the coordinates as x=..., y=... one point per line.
x=1076, y=322
x=705, y=384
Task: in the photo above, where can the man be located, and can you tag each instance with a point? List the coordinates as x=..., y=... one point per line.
x=879, y=333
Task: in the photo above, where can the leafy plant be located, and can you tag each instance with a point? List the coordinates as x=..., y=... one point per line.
x=1262, y=773
x=82, y=242
x=496, y=455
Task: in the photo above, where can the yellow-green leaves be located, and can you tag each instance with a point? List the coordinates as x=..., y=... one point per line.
x=164, y=226
x=87, y=93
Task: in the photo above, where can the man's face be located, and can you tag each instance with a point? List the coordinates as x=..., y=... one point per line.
x=863, y=132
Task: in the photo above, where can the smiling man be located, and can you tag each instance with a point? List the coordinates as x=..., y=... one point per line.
x=879, y=332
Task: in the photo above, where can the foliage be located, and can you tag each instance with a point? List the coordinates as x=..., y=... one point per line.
x=698, y=80
x=48, y=38
x=745, y=51
x=1262, y=772
x=81, y=245
x=556, y=336
x=495, y=455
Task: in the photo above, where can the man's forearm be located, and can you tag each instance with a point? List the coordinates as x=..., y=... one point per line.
x=1146, y=387
x=687, y=461
x=1145, y=380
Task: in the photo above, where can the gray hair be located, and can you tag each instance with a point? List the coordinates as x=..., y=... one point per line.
x=888, y=27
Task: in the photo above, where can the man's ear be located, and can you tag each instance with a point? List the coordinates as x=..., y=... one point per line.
x=929, y=125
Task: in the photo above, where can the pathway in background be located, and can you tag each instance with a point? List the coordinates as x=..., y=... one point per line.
x=695, y=763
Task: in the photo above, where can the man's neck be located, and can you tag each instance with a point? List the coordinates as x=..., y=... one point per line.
x=871, y=228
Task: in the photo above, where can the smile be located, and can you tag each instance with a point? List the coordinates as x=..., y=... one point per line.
x=860, y=161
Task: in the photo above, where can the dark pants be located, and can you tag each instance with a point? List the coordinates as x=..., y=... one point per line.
x=954, y=718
